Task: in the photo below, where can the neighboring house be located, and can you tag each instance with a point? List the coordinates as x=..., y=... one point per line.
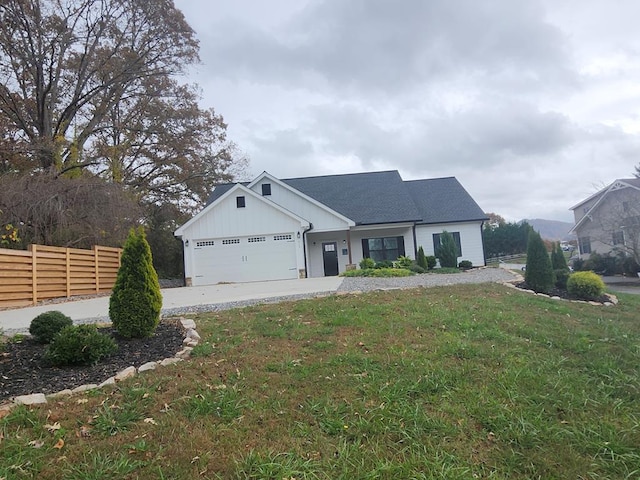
x=609, y=220
x=271, y=229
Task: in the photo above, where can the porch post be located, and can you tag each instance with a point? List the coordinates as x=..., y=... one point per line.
x=349, y=246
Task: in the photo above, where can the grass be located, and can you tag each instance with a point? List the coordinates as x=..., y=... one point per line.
x=468, y=381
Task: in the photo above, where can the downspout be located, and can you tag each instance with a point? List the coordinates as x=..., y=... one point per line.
x=415, y=242
x=349, y=246
x=484, y=256
x=304, y=249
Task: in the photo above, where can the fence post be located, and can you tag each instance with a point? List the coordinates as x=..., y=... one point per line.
x=34, y=273
x=68, y=269
x=97, y=267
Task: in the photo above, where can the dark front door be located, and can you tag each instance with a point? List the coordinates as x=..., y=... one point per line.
x=330, y=259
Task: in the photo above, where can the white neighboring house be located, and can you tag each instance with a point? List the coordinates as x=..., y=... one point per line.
x=609, y=220
x=273, y=229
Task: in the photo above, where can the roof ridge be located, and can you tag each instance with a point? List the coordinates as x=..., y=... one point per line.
x=341, y=175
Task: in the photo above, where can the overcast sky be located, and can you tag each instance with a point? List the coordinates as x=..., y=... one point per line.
x=531, y=104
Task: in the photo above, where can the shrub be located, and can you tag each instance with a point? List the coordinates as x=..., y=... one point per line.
x=465, y=265
x=602, y=264
x=448, y=251
x=367, y=263
x=415, y=268
x=134, y=306
x=431, y=262
x=384, y=264
x=539, y=274
x=378, y=272
x=585, y=285
x=79, y=345
x=561, y=276
x=630, y=266
x=558, y=260
x=578, y=264
x=421, y=259
x=404, y=262
x=45, y=326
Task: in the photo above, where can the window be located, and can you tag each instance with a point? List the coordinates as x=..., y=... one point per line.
x=240, y=203
x=618, y=238
x=266, y=189
x=386, y=248
x=231, y=241
x=256, y=239
x=277, y=238
x=205, y=243
x=584, y=244
x=437, y=239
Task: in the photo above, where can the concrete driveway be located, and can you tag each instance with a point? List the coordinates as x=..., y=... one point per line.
x=174, y=300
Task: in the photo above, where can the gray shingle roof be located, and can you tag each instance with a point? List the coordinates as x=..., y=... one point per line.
x=365, y=198
x=383, y=197
x=441, y=200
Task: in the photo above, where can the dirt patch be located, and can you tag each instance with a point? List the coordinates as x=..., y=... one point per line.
x=22, y=370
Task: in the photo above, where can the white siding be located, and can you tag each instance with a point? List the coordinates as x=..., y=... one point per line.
x=470, y=239
x=225, y=220
x=322, y=219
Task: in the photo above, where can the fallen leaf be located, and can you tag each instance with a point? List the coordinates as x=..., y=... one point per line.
x=53, y=428
x=150, y=420
x=83, y=432
x=36, y=443
x=82, y=400
x=59, y=444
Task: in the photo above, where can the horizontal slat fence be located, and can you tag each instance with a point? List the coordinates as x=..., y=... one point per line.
x=43, y=272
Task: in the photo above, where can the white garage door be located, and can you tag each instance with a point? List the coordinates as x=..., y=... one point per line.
x=245, y=259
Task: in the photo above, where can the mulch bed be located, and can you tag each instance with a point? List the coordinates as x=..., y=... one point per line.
x=23, y=372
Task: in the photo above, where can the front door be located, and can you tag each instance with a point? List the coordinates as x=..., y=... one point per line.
x=330, y=259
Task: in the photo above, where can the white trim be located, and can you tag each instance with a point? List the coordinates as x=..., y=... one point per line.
x=265, y=174
x=239, y=187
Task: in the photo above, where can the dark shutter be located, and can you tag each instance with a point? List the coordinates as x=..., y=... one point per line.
x=365, y=248
x=400, y=247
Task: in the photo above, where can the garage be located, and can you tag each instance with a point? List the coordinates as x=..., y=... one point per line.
x=245, y=259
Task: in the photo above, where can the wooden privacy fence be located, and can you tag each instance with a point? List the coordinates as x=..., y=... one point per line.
x=42, y=273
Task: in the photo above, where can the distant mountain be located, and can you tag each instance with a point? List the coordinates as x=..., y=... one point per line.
x=552, y=229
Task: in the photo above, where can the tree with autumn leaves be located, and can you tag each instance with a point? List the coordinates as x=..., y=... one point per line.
x=93, y=91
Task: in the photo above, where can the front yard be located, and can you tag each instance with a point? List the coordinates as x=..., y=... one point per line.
x=468, y=381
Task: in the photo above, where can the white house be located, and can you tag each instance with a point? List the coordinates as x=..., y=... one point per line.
x=272, y=229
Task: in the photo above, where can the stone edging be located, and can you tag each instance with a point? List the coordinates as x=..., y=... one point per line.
x=613, y=300
x=191, y=339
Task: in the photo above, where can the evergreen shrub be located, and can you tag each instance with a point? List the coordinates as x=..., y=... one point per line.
x=585, y=285
x=432, y=261
x=79, y=345
x=561, y=276
x=465, y=265
x=448, y=251
x=136, y=301
x=539, y=273
x=558, y=260
x=46, y=325
x=404, y=262
x=421, y=259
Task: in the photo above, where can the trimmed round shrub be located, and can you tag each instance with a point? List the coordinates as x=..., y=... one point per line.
x=465, y=265
x=136, y=301
x=367, y=263
x=432, y=261
x=79, y=345
x=46, y=325
x=561, y=275
x=585, y=285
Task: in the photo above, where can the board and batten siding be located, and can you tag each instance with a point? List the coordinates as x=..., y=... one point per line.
x=257, y=217
x=470, y=239
x=322, y=219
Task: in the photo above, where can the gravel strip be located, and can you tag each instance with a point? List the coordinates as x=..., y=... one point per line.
x=477, y=275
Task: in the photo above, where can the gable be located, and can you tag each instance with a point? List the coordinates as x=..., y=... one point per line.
x=225, y=217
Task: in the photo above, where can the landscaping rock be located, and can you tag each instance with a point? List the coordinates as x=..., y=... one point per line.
x=147, y=366
x=170, y=361
x=33, y=399
x=126, y=373
x=107, y=382
x=62, y=393
x=84, y=388
x=187, y=323
x=192, y=334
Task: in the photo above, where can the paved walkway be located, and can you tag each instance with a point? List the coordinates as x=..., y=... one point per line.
x=175, y=299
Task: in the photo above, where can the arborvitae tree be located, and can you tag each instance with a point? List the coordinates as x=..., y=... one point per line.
x=135, y=303
x=539, y=273
x=421, y=259
x=558, y=261
x=448, y=251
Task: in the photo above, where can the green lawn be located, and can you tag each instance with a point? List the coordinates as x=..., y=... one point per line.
x=456, y=382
